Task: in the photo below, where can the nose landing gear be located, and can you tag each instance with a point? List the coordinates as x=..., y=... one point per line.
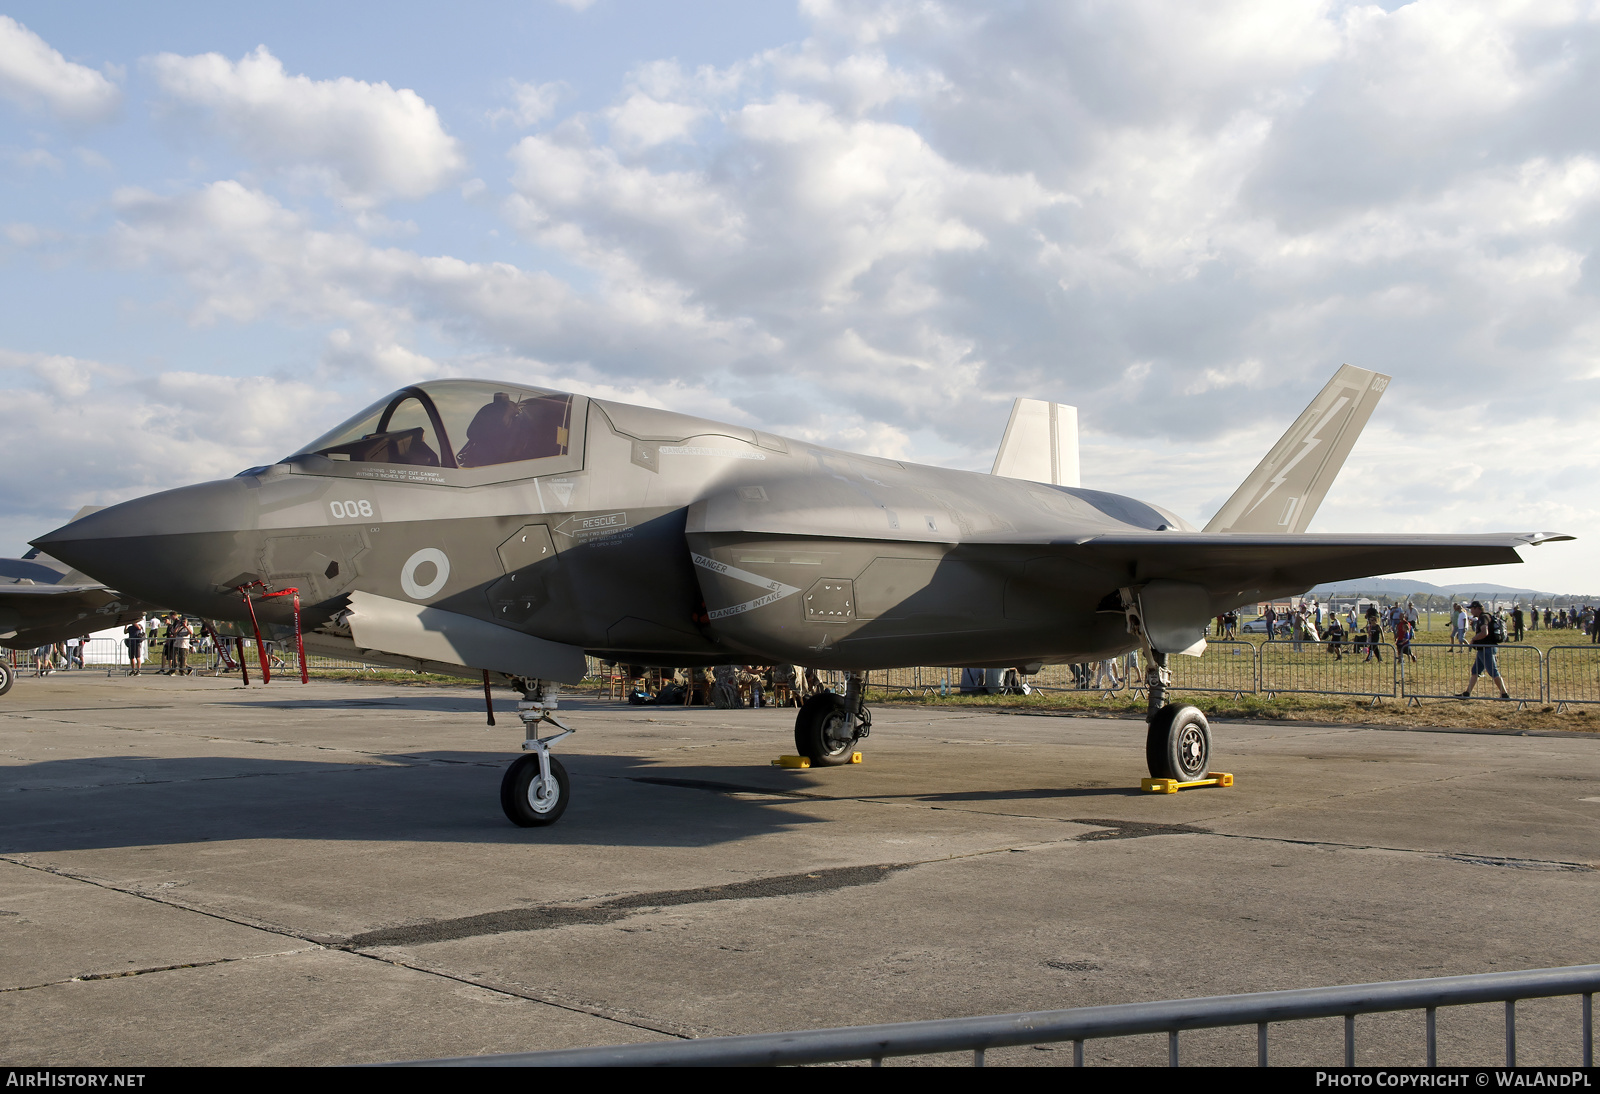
x=536, y=787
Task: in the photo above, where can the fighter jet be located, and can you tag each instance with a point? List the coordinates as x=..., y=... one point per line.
x=470, y=526
x=43, y=600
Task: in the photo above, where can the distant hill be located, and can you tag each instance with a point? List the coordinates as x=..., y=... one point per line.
x=1392, y=586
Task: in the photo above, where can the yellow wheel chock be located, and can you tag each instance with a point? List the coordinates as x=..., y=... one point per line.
x=1172, y=786
x=805, y=761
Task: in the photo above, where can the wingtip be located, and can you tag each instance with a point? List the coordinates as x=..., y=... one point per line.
x=1534, y=539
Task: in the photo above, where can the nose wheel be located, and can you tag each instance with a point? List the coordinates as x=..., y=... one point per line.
x=7, y=677
x=529, y=798
x=1178, y=745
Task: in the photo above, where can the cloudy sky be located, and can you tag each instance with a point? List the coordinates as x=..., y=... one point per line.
x=867, y=224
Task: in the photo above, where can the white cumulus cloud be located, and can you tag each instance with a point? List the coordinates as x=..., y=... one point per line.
x=34, y=75
x=367, y=142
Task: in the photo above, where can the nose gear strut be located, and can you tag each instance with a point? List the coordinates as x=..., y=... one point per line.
x=536, y=788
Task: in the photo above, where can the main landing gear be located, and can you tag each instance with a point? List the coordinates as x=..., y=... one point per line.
x=829, y=724
x=1178, y=742
x=7, y=677
x=536, y=789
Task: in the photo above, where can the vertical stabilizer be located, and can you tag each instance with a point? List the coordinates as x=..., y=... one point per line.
x=1041, y=443
x=1283, y=492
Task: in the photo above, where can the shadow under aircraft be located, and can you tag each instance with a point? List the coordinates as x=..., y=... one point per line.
x=473, y=527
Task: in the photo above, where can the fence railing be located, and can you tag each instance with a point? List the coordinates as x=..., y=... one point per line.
x=110, y=656
x=1561, y=675
x=1436, y=671
x=1229, y=667
x=1172, y=1017
x=1572, y=675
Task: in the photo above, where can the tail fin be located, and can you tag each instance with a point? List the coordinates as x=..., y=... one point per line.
x=1040, y=443
x=1283, y=492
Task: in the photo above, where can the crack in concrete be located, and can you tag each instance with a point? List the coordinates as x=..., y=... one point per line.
x=343, y=768
x=550, y=916
x=122, y=973
x=554, y=999
x=1424, y=852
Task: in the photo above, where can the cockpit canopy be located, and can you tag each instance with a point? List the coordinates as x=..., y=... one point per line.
x=454, y=424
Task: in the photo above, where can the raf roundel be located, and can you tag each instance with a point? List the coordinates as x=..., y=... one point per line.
x=408, y=573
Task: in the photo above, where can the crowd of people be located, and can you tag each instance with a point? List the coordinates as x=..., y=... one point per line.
x=723, y=686
x=1308, y=622
x=178, y=637
x=59, y=656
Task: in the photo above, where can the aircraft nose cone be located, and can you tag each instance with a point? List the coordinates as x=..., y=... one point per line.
x=171, y=549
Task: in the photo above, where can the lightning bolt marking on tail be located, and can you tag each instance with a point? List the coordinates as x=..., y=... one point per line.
x=1307, y=447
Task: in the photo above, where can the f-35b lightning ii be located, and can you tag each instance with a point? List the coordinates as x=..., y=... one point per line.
x=467, y=526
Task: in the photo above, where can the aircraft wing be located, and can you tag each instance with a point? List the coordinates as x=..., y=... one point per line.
x=1227, y=563
x=33, y=615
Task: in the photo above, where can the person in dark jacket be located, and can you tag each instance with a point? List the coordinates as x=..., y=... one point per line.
x=134, y=640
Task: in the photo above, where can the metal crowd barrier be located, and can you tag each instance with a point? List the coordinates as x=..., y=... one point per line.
x=1172, y=1017
x=1430, y=671
x=1314, y=669
x=111, y=656
x=1104, y=678
x=1564, y=675
x=1232, y=668
x=1572, y=675
x=1440, y=673
x=907, y=680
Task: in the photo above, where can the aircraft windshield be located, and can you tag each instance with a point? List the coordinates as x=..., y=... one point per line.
x=454, y=423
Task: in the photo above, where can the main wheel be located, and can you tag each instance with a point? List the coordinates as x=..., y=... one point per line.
x=822, y=730
x=1179, y=744
x=7, y=677
x=521, y=797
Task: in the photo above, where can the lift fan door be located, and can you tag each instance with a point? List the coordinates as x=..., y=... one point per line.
x=321, y=567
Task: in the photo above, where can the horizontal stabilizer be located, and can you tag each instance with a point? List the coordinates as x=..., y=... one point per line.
x=1283, y=492
x=1040, y=443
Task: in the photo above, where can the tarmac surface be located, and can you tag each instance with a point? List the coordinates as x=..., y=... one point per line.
x=196, y=873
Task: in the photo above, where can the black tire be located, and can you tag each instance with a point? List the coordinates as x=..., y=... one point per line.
x=1179, y=744
x=517, y=793
x=818, y=728
x=7, y=678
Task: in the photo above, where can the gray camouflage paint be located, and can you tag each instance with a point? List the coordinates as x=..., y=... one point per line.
x=671, y=540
